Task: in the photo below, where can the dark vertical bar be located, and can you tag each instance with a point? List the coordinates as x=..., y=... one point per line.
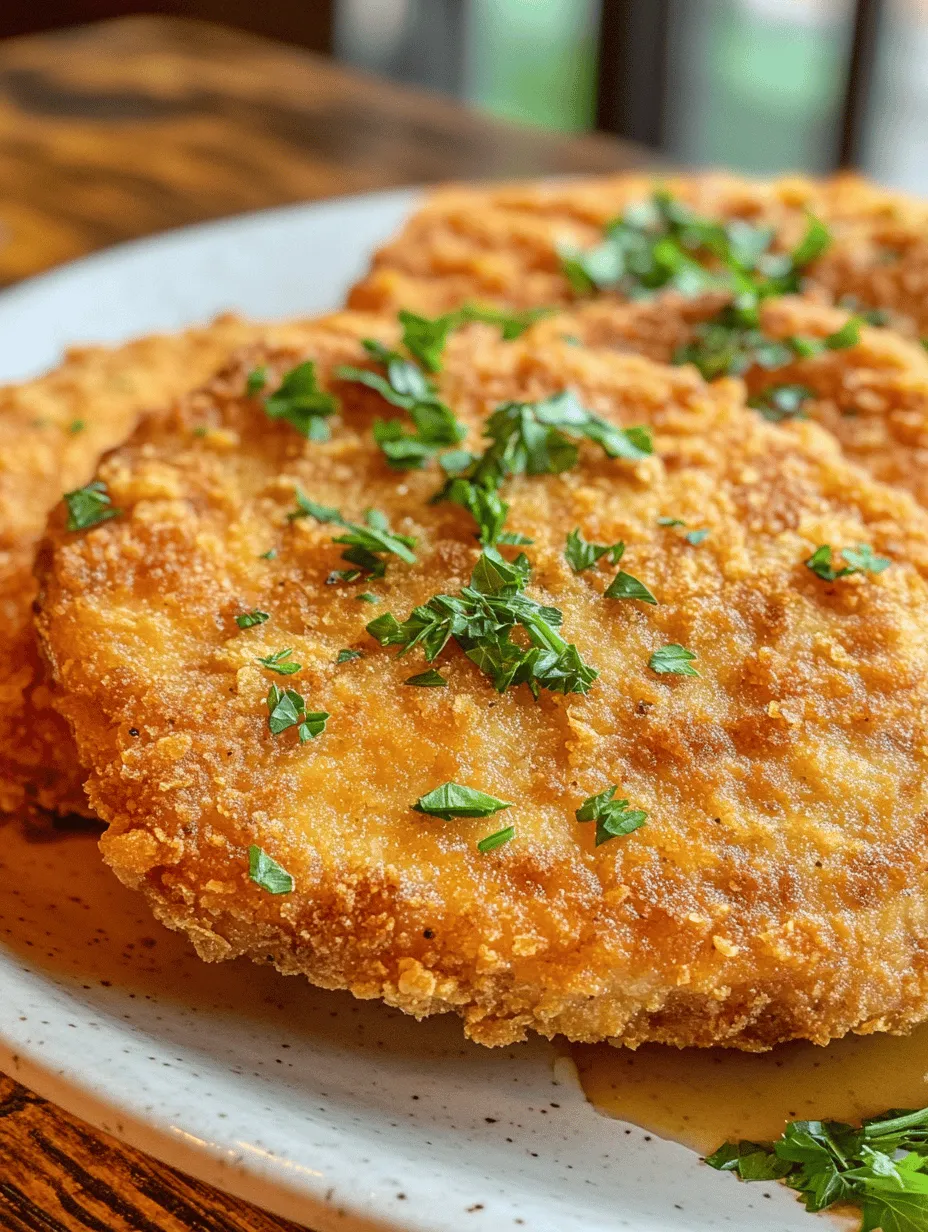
x=631, y=93
x=867, y=17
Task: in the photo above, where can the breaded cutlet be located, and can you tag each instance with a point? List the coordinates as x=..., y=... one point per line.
x=53, y=431
x=499, y=244
x=759, y=873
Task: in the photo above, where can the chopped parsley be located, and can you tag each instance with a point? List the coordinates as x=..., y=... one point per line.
x=428, y=680
x=696, y=537
x=880, y=1167
x=492, y=841
x=267, y=873
x=345, y=656
x=301, y=403
x=425, y=337
x=287, y=708
x=625, y=586
x=482, y=619
x=367, y=597
x=533, y=438
x=614, y=818
x=270, y=554
x=249, y=619
x=672, y=660
x=281, y=663
x=366, y=544
x=780, y=402
x=406, y=386
x=256, y=380
x=732, y=341
x=89, y=506
x=581, y=555
x=670, y=522
x=663, y=243
x=452, y=800
x=77, y=425
x=859, y=559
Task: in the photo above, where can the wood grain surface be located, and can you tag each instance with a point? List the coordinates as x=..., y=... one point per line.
x=119, y=130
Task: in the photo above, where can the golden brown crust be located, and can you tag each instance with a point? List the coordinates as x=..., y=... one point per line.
x=499, y=244
x=779, y=887
x=873, y=397
x=53, y=431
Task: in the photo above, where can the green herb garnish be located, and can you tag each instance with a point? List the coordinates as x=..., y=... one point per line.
x=367, y=544
x=256, y=380
x=249, y=619
x=345, y=656
x=696, y=537
x=534, y=438
x=367, y=597
x=482, y=619
x=267, y=873
x=270, y=554
x=614, y=818
x=859, y=559
x=281, y=663
x=625, y=586
x=780, y=402
x=452, y=800
x=581, y=555
x=287, y=708
x=492, y=841
x=407, y=386
x=672, y=660
x=77, y=425
x=881, y=1167
x=428, y=680
x=300, y=402
x=89, y=506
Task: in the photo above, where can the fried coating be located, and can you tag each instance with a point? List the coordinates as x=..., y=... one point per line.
x=499, y=244
x=873, y=397
x=53, y=431
x=778, y=887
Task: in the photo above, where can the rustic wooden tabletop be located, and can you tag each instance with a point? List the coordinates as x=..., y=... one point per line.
x=118, y=130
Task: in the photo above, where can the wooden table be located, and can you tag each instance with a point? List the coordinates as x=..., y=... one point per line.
x=114, y=131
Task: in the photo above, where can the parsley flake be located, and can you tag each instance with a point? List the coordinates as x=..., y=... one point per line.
x=428, y=680
x=672, y=660
x=270, y=554
x=625, y=586
x=881, y=1167
x=256, y=380
x=482, y=619
x=492, y=841
x=77, y=425
x=614, y=818
x=670, y=522
x=407, y=386
x=534, y=438
x=780, y=402
x=367, y=597
x=281, y=663
x=89, y=506
x=366, y=544
x=287, y=708
x=859, y=559
x=345, y=656
x=301, y=403
x=581, y=555
x=452, y=800
x=249, y=619
x=696, y=537
x=267, y=873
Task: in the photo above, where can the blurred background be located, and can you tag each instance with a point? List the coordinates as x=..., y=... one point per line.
x=759, y=85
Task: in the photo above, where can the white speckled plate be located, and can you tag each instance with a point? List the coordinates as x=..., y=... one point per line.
x=337, y=1113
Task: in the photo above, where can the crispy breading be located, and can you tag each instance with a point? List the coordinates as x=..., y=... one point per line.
x=778, y=887
x=53, y=431
x=873, y=397
x=499, y=244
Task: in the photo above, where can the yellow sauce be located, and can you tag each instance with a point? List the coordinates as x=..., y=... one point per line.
x=703, y=1097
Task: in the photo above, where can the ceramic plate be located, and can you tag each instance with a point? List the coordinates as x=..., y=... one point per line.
x=337, y=1113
